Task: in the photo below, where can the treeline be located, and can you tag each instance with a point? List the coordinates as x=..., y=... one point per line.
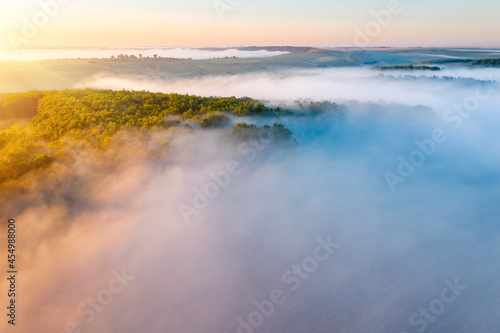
x=469, y=62
x=408, y=67
x=486, y=62
x=96, y=115
x=140, y=57
x=92, y=119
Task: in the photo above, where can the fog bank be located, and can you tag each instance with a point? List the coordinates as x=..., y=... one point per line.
x=306, y=239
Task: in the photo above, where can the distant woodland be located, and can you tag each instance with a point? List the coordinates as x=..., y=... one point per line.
x=409, y=67
x=470, y=62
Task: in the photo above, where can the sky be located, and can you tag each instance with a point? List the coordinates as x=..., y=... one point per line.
x=224, y=23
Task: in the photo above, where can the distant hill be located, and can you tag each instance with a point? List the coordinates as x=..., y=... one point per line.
x=469, y=62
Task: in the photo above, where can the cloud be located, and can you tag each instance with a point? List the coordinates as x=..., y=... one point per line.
x=396, y=248
x=361, y=84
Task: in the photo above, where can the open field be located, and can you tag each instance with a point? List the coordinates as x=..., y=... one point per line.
x=62, y=74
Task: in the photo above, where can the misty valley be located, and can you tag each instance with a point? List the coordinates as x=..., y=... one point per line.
x=251, y=190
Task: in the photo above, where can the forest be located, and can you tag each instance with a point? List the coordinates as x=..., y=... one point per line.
x=50, y=122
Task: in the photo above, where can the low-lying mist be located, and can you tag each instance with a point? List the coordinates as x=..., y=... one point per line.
x=382, y=218
x=178, y=53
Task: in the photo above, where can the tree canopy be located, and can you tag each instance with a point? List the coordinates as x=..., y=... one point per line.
x=94, y=117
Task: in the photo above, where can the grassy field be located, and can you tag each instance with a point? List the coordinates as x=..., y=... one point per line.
x=404, y=57
x=63, y=74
